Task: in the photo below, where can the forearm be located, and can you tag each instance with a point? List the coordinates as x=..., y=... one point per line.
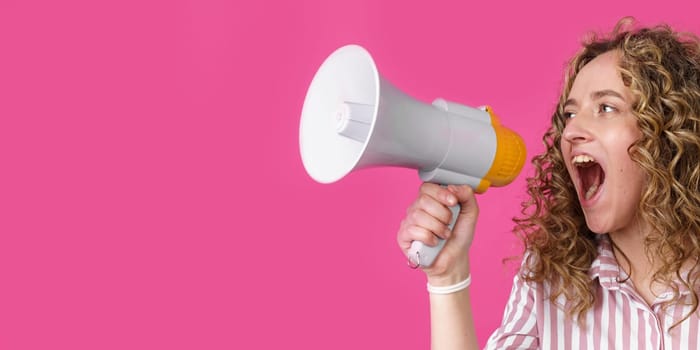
x=451, y=322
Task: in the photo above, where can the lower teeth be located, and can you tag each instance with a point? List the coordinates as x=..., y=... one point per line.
x=591, y=191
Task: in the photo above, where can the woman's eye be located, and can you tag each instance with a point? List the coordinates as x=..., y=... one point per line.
x=569, y=115
x=606, y=109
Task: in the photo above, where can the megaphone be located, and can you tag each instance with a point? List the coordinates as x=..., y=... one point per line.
x=353, y=118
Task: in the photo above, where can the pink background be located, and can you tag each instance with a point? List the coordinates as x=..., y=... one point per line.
x=152, y=195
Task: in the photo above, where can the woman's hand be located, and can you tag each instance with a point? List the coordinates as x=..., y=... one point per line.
x=428, y=217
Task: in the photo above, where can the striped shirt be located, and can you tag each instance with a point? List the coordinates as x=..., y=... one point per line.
x=619, y=318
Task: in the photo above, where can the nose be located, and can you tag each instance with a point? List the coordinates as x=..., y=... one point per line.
x=577, y=130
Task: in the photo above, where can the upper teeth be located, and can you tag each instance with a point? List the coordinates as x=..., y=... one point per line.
x=580, y=159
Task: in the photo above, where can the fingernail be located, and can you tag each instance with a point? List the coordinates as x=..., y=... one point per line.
x=451, y=200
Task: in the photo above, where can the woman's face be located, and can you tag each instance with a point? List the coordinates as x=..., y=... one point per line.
x=600, y=128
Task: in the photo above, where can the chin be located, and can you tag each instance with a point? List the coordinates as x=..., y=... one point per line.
x=598, y=232
x=597, y=227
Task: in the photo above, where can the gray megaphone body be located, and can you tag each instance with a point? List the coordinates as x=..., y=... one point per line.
x=353, y=118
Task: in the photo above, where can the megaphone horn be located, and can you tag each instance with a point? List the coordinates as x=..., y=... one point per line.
x=353, y=118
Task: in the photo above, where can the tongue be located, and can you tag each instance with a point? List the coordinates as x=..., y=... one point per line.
x=592, y=177
x=591, y=191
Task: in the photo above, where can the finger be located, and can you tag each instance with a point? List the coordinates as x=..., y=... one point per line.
x=440, y=193
x=417, y=233
x=433, y=207
x=423, y=219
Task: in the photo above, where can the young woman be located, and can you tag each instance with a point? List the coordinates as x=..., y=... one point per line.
x=612, y=229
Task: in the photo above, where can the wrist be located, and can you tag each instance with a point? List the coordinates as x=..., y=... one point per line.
x=449, y=289
x=447, y=278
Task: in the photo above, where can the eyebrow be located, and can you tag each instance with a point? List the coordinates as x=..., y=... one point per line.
x=596, y=95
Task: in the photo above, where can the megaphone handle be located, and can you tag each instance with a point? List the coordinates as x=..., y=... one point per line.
x=423, y=255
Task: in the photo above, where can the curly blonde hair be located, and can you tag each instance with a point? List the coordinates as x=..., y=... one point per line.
x=662, y=69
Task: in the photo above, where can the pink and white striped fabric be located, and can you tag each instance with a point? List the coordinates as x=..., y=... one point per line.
x=619, y=319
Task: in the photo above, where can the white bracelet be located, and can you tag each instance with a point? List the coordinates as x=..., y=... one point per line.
x=450, y=289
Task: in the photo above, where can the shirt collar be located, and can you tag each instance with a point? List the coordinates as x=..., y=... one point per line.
x=609, y=273
x=605, y=267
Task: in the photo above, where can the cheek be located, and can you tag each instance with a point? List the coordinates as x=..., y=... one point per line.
x=632, y=180
x=564, y=148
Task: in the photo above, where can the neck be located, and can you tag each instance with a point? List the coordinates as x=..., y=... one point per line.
x=631, y=253
x=630, y=242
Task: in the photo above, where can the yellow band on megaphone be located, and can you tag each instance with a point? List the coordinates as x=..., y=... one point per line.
x=509, y=158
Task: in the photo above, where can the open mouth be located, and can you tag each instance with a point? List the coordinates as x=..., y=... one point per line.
x=591, y=174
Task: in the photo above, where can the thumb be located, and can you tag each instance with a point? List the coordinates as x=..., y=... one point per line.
x=468, y=213
x=467, y=200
